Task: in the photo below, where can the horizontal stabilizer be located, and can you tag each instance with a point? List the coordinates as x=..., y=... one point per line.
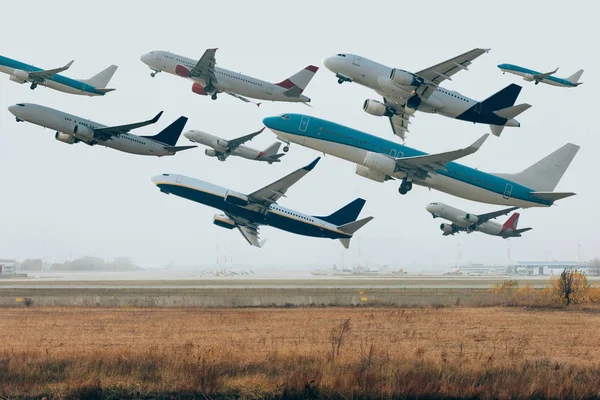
x=104, y=91
x=519, y=231
x=552, y=196
x=496, y=129
x=175, y=149
x=511, y=112
x=352, y=227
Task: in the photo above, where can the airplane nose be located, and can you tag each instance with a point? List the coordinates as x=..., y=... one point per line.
x=430, y=208
x=329, y=63
x=145, y=58
x=189, y=135
x=12, y=110
x=269, y=122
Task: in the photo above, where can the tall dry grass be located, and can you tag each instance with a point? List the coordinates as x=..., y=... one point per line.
x=299, y=353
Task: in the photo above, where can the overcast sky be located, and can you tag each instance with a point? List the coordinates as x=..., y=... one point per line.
x=60, y=201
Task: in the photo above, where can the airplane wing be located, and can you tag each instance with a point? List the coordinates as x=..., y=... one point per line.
x=248, y=230
x=539, y=77
x=242, y=98
x=483, y=218
x=422, y=166
x=110, y=131
x=271, y=193
x=442, y=71
x=205, y=67
x=235, y=143
x=40, y=76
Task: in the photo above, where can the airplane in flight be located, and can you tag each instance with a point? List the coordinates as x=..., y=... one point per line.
x=467, y=222
x=248, y=212
x=381, y=160
x=405, y=92
x=223, y=148
x=71, y=129
x=20, y=72
x=545, y=77
x=210, y=80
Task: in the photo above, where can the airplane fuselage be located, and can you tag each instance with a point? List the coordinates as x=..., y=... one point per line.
x=227, y=81
x=80, y=129
x=215, y=142
x=57, y=82
x=459, y=218
x=529, y=76
x=354, y=146
x=276, y=216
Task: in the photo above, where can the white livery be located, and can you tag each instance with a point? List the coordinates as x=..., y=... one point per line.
x=209, y=80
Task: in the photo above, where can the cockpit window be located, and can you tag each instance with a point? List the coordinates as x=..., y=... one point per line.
x=341, y=55
x=285, y=116
x=165, y=174
x=21, y=105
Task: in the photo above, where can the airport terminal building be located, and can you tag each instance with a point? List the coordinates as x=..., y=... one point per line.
x=7, y=267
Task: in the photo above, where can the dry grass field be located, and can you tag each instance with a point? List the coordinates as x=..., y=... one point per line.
x=299, y=353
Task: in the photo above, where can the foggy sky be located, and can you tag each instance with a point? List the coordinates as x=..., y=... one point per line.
x=60, y=201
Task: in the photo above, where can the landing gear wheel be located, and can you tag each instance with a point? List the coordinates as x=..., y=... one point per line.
x=402, y=190
x=536, y=82
x=286, y=149
x=340, y=81
x=405, y=187
x=213, y=96
x=33, y=86
x=152, y=74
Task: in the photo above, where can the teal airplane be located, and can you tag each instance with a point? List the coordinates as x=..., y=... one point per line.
x=20, y=72
x=544, y=77
x=381, y=160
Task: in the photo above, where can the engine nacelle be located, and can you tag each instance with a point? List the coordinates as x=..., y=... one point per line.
x=370, y=174
x=15, y=79
x=222, y=143
x=20, y=74
x=379, y=162
x=199, y=89
x=528, y=77
x=472, y=219
x=63, y=137
x=83, y=132
x=210, y=152
x=446, y=228
x=236, y=199
x=375, y=108
x=223, y=221
x=403, y=78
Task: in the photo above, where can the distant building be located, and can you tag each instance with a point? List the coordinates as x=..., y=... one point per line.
x=549, y=267
x=7, y=267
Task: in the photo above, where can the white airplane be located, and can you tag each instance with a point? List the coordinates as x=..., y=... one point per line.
x=72, y=129
x=530, y=75
x=248, y=212
x=223, y=148
x=210, y=80
x=20, y=72
x=404, y=92
x=467, y=222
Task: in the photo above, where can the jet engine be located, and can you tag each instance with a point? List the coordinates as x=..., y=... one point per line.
x=15, y=79
x=210, y=152
x=528, y=77
x=223, y=221
x=370, y=174
x=446, y=228
x=199, y=89
x=375, y=108
x=403, y=78
x=20, y=74
x=83, y=132
x=470, y=218
x=63, y=137
x=237, y=199
x=380, y=162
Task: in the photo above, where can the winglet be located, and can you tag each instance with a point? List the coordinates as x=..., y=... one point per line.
x=475, y=146
x=155, y=119
x=66, y=67
x=310, y=166
x=262, y=243
x=487, y=50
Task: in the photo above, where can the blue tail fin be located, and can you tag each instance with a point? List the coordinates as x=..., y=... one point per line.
x=171, y=133
x=503, y=99
x=345, y=214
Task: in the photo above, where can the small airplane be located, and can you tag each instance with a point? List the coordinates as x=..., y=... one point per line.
x=467, y=222
x=71, y=129
x=381, y=160
x=20, y=72
x=530, y=75
x=405, y=93
x=222, y=148
x=210, y=80
x=248, y=212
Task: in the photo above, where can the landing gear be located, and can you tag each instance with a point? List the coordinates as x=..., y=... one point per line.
x=33, y=86
x=214, y=96
x=340, y=81
x=536, y=82
x=18, y=119
x=153, y=73
x=286, y=149
x=405, y=187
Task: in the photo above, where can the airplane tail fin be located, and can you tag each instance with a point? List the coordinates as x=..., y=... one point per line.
x=352, y=227
x=504, y=98
x=171, y=133
x=296, y=84
x=346, y=214
x=101, y=79
x=272, y=149
x=544, y=175
x=512, y=222
x=575, y=77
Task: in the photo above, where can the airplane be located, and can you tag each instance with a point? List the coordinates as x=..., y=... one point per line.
x=248, y=212
x=381, y=160
x=222, y=148
x=71, y=129
x=467, y=222
x=537, y=77
x=404, y=92
x=210, y=80
x=20, y=72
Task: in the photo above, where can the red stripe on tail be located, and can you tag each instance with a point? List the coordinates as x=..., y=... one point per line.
x=511, y=223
